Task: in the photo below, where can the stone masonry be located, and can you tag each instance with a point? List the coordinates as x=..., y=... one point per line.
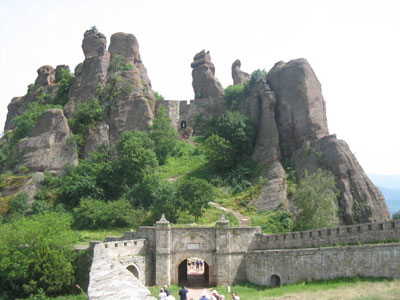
x=152, y=255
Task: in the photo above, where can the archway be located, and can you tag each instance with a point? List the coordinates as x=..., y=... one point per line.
x=194, y=272
x=275, y=281
x=133, y=270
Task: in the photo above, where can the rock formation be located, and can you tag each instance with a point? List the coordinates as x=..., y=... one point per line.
x=238, y=75
x=300, y=110
x=205, y=84
x=48, y=148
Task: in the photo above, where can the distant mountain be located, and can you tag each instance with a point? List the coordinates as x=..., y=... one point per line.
x=391, y=182
x=392, y=198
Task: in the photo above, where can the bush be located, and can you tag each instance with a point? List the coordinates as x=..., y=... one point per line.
x=274, y=222
x=34, y=255
x=164, y=135
x=87, y=116
x=158, y=96
x=236, y=95
x=136, y=156
x=66, y=80
x=316, y=199
x=256, y=75
x=219, y=152
x=118, y=63
x=18, y=204
x=92, y=214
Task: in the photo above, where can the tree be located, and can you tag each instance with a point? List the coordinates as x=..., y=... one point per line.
x=316, y=199
x=164, y=135
x=35, y=255
x=136, y=156
x=396, y=215
x=236, y=128
x=218, y=151
x=195, y=194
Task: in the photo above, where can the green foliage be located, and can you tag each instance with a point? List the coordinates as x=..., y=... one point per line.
x=257, y=75
x=90, y=214
x=18, y=204
x=164, y=135
x=218, y=151
x=31, y=88
x=119, y=64
x=34, y=255
x=87, y=116
x=158, y=96
x=195, y=194
x=94, y=29
x=237, y=95
x=40, y=207
x=43, y=97
x=136, y=156
x=273, y=222
x=396, y=215
x=155, y=194
x=66, y=80
x=316, y=199
x=291, y=177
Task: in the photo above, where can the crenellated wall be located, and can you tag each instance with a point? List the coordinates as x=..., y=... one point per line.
x=360, y=233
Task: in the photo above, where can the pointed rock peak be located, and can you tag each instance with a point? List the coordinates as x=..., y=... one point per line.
x=203, y=58
x=94, y=43
x=126, y=45
x=46, y=76
x=238, y=75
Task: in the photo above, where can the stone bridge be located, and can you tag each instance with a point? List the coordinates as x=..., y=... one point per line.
x=157, y=256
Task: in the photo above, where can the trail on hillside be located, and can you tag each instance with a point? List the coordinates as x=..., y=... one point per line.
x=243, y=220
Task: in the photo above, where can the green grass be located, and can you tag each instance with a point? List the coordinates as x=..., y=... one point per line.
x=173, y=288
x=249, y=291
x=85, y=236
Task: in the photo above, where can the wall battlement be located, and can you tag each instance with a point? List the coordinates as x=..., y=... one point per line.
x=369, y=232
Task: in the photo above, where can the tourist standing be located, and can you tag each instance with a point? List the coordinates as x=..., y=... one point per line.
x=235, y=296
x=169, y=296
x=162, y=295
x=183, y=293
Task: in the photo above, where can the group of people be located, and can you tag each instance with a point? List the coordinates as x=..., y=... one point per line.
x=194, y=262
x=165, y=294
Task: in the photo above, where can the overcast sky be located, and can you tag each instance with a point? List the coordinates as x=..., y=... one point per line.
x=353, y=46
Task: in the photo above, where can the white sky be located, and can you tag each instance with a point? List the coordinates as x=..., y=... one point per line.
x=353, y=46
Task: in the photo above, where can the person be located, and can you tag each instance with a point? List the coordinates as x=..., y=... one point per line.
x=162, y=295
x=201, y=264
x=204, y=296
x=183, y=293
x=215, y=296
x=166, y=289
x=222, y=297
x=197, y=265
x=235, y=296
x=169, y=296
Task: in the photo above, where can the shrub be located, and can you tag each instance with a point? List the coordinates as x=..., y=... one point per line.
x=316, y=199
x=66, y=80
x=92, y=214
x=18, y=204
x=118, y=63
x=34, y=255
x=256, y=75
x=164, y=135
x=236, y=95
x=158, y=96
x=274, y=222
x=218, y=151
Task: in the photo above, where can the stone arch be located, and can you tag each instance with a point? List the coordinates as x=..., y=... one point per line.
x=275, y=281
x=134, y=269
x=182, y=271
x=205, y=242
x=183, y=124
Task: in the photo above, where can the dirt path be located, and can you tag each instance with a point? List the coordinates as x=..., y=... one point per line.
x=242, y=219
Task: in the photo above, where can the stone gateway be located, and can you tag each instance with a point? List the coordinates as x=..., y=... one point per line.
x=158, y=256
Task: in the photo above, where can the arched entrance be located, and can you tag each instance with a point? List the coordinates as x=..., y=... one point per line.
x=194, y=273
x=275, y=281
x=133, y=269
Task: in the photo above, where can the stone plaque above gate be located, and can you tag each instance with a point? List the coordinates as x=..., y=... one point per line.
x=192, y=246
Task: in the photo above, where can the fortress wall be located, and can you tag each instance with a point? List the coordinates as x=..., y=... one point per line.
x=370, y=232
x=243, y=238
x=323, y=263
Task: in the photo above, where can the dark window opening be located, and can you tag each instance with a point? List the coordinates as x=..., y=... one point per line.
x=183, y=124
x=275, y=281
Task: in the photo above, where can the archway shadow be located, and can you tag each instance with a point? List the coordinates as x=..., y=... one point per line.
x=190, y=276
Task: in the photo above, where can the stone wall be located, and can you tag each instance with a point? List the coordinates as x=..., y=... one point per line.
x=295, y=265
x=370, y=232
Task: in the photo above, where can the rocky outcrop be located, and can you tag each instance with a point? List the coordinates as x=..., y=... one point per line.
x=92, y=73
x=48, y=148
x=360, y=200
x=300, y=109
x=238, y=75
x=46, y=76
x=96, y=137
x=205, y=84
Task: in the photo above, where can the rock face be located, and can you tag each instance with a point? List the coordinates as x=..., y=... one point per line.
x=205, y=84
x=238, y=75
x=48, y=148
x=360, y=200
x=92, y=72
x=46, y=76
x=300, y=110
